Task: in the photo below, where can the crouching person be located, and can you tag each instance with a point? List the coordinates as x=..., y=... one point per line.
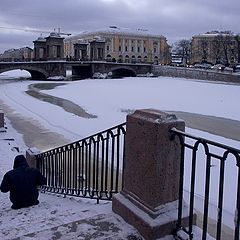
x=22, y=183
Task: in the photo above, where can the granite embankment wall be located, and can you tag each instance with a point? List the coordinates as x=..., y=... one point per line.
x=212, y=75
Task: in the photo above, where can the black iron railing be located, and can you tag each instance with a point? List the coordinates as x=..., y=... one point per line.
x=205, y=173
x=91, y=167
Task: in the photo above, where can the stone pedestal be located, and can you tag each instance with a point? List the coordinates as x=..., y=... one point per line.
x=31, y=157
x=1, y=119
x=149, y=199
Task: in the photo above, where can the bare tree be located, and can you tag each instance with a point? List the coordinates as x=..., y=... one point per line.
x=237, y=39
x=182, y=48
x=204, y=51
x=227, y=46
x=217, y=52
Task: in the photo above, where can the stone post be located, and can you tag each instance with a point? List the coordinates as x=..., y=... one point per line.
x=31, y=157
x=1, y=119
x=149, y=199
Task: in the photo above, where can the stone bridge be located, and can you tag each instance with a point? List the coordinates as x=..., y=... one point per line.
x=38, y=70
x=45, y=69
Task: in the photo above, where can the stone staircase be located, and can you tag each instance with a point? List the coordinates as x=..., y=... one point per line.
x=63, y=218
x=66, y=218
x=102, y=226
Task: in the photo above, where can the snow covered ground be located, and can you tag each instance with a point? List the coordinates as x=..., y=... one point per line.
x=54, y=215
x=110, y=100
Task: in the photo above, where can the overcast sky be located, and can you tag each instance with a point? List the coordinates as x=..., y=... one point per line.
x=175, y=19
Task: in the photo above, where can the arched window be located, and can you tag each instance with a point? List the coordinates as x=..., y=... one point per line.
x=139, y=59
x=109, y=58
x=127, y=59
x=133, y=59
x=155, y=60
x=120, y=58
x=145, y=59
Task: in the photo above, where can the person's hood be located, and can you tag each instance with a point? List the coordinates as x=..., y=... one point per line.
x=20, y=161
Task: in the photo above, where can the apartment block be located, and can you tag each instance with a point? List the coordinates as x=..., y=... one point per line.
x=216, y=47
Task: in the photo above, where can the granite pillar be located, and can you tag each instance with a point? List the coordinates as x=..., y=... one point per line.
x=31, y=157
x=149, y=199
x=1, y=119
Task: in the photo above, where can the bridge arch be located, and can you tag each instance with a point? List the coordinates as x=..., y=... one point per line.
x=36, y=73
x=119, y=72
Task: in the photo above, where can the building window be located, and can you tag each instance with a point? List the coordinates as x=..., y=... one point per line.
x=133, y=59
x=139, y=59
x=120, y=59
x=120, y=48
x=138, y=49
x=132, y=49
x=144, y=49
x=126, y=48
x=155, y=50
x=108, y=48
x=109, y=57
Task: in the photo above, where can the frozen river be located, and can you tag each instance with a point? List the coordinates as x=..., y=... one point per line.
x=213, y=110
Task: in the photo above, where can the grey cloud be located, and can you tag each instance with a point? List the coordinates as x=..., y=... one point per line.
x=173, y=19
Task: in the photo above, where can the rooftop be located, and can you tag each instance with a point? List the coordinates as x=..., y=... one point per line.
x=114, y=30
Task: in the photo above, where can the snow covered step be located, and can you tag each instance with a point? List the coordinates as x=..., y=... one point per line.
x=56, y=216
x=103, y=226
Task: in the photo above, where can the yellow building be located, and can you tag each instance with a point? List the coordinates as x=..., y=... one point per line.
x=124, y=45
x=215, y=47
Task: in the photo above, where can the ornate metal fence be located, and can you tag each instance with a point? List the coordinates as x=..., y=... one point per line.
x=91, y=167
x=210, y=172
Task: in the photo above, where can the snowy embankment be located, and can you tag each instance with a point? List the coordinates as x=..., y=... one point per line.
x=54, y=215
x=110, y=100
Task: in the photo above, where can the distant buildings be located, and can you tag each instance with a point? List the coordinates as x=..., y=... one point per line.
x=120, y=45
x=17, y=55
x=132, y=46
x=216, y=47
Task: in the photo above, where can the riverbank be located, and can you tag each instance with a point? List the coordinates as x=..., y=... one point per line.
x=34, y=134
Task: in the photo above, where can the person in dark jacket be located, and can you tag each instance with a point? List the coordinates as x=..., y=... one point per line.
x=22, y=183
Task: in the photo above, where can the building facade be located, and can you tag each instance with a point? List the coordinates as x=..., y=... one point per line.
x=49, y=48
x=123, y=45
x=216, y=47
x=24, y=54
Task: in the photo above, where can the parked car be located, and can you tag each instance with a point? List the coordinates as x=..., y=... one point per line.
x=228, y=69
x=203, y=65
x=237, y=68
x=218, y=67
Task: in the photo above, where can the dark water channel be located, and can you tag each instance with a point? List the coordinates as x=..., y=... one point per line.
x=68, y=106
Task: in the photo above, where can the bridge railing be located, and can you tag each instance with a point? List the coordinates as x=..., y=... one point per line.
x=209, y=184
x=209, y=179
x=91, y=167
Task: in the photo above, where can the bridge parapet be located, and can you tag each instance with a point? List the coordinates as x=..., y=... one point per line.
x=86, y=69
x=38, y=70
